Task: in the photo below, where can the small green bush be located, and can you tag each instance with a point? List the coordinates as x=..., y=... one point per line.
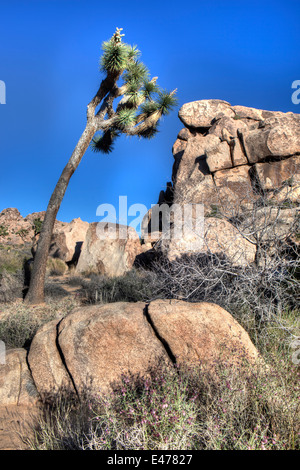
x=11, y=286
x=3, y=231
x=12, y=259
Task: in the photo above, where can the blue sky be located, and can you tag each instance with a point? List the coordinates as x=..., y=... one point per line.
x=245, y=52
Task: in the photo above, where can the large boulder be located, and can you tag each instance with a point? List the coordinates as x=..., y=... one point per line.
x=96, y=346
x=276, y=136
x=202, y=113
x=109, y=249
x=46, y=363
x=201, y=333
x=67, y=240
x=217, y=236
x=16, y=384
x=101, y=343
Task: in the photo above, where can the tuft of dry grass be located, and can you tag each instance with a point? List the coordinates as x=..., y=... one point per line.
x=19, y=322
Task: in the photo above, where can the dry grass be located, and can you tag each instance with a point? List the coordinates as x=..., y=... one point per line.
x=179, y=409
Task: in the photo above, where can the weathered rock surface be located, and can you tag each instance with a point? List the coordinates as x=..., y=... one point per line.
x=271, y=175
x=219, y=158
x=201, y=333
x=16, y=384
x=92, y=348
x=202, y=113
x=101, y=343
x=66, y=242
x=218, y=237
x=276, y=136
x=45, y=361
x=109, y=249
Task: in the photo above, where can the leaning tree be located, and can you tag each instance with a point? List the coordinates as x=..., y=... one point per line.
x=140, y=105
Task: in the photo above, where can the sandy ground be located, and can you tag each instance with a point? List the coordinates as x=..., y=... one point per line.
x=16, y=426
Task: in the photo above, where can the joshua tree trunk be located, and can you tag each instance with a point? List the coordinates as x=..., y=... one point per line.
x=35, y=293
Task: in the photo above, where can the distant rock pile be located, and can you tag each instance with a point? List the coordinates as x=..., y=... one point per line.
x=18, y=230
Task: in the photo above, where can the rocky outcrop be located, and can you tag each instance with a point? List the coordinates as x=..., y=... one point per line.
x=66, y=241
x=233, y=152
x=228, y=158
x=14, y=228
x=109, y=249
x=93, y=347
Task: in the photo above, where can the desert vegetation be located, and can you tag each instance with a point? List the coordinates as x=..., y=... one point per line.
x=179, y=408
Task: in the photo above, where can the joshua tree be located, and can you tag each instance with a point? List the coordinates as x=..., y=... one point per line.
x=138, y=112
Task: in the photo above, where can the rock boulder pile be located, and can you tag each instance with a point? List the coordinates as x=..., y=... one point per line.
x=227, y=158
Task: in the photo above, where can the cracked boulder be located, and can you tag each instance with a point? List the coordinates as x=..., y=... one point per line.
x=92, y=348
x=201, y=333
x=100, y=343
x=46, y=362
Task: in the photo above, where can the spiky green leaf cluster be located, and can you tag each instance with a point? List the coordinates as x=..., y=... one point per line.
x=166, y=102
x=104, y=142
x=149, y=107
x=136, y=72
x=149, y=89
x=133, y=53
x=126, y=118
x=115, y=57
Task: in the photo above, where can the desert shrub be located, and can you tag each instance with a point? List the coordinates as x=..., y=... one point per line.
x=133, y=286
x=19, y=322
x=56, y=267
x=54, y=291
x=3, y=231
x=75, y=281
x=18, y=329
x=37, y=225
x=12, y=259
x=11, y=286
x=176, y=409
